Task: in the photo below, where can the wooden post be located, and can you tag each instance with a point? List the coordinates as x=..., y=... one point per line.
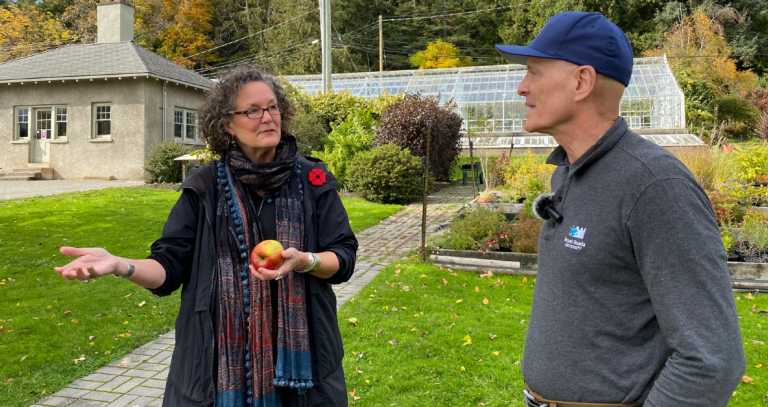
x=472, y=169
x=511, y=146
x=381, y=45
x=426, y=193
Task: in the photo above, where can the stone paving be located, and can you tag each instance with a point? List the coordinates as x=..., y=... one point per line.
x=25, y=189
x=139, y=378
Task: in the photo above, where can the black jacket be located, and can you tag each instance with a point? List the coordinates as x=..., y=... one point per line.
x=186, y=252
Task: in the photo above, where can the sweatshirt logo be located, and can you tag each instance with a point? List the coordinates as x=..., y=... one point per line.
x=578, y=232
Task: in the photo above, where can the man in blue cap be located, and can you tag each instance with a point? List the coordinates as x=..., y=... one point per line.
x=633, y=302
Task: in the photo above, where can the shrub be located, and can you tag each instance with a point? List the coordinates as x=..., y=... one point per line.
x=502, y=238
x=309, y=131
x=726, y=205
x=761, y=127
x=753, y=161
x=161, y=167
x=386, y=174
x=525, y=234
x=712, y=167
x=526, y=178
x=736, y=109
x=757, y=98
x=754, y=234
x=347, y=139
x=405, y=124
x=471, y=228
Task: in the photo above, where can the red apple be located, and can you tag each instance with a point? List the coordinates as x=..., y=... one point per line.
x=268, y=254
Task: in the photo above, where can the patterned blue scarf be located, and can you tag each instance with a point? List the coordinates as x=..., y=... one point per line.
x=248, y=372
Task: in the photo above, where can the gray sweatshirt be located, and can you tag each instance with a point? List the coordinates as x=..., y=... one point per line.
x=633, y=302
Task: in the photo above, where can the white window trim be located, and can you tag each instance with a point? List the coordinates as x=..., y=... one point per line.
x=32, y=123
x=94, y=127
x=183, y=139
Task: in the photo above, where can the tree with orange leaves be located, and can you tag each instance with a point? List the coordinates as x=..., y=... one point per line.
x=25, y=30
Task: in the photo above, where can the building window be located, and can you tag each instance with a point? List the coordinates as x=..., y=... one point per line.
x=40, y=122
x=185, y=124
x=61, y=122
x=102, y=121
x=22, y=123
x=191, y=125
x=178, y=123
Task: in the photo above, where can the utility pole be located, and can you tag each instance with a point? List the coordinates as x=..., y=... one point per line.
x=381, y=45
x=425, y=165
x=325, y=37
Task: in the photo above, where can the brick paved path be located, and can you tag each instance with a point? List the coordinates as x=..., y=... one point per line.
x=138, y=379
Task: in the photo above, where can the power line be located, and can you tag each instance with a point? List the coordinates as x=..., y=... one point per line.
x=391, y=51
x=252, y=58
x=461, y=13
x=345, y=48
x=247, y=36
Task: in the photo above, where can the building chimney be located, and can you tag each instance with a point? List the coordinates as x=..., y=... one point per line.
x=114, y=20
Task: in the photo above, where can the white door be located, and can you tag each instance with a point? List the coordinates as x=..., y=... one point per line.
x=40, y=143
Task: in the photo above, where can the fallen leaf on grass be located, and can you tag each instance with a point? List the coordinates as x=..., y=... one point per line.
x=454, y=274
x=379, y=332
x=492, y=336
x=90, y=338
x=496, y=353
x=468, y=340
x=754, y=342
x=522, y=321
x=422, y=336
x=485, y=301
x=74, y=321
x=758, y=366
x=393, y=342
x=9, y=380
x=486, y=274
x=394, y=309
x=749, y=296
x=423, y=276
x=459, y=301
x=762, y=313
x=477, y=289
x=463, y=369
x=481, y=405
x=352, y=322
x=415, y=315
x=525, y=279
x=22, y=359
x=747, y=379
x=517, y=362
x=445, y=282
x=361, y=355
x=454, y=316
x=406, y=288
x=141, y=304
x=449, y=326
x=67, y=312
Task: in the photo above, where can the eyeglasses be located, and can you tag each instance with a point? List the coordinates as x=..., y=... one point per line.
x=256, y=112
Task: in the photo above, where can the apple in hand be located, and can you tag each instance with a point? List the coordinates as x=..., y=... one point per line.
x=268, y=254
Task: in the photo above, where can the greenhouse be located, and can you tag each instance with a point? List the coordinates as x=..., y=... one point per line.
x=487, y=99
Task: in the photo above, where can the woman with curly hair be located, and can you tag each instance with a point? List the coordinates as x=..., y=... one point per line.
x=246, y=336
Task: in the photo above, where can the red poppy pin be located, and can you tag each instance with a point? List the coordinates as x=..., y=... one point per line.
x=317, y=177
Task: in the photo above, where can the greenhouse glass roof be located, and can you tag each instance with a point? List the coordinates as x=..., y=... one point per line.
x=488, y=102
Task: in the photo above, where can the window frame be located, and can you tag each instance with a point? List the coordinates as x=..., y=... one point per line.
x=95, y=120
x=32, y=122
x=185, y=125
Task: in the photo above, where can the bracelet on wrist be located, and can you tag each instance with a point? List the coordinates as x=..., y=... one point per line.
x=313, y=264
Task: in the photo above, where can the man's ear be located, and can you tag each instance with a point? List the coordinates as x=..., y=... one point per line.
x=586, y=78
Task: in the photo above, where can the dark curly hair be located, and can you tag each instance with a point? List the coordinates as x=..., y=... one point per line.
x=220, y=100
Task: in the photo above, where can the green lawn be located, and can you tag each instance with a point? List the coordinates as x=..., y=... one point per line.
x=46, y=322
x=433, y=361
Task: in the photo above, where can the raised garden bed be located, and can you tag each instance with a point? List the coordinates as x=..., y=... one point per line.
x=743, y=275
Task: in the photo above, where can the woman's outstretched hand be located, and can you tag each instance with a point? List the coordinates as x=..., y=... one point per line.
x=90, y=263
x=292, y=259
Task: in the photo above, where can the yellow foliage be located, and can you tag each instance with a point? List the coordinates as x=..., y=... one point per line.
x=187, y=31
x=439, y=54
x=23, y=26
x=697, y=44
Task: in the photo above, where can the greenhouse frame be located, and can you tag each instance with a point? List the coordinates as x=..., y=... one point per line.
x=486, y=96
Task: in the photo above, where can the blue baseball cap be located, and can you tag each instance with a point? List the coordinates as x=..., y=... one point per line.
x=580, y=38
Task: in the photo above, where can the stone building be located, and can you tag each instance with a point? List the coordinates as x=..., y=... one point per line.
x=95, y=110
